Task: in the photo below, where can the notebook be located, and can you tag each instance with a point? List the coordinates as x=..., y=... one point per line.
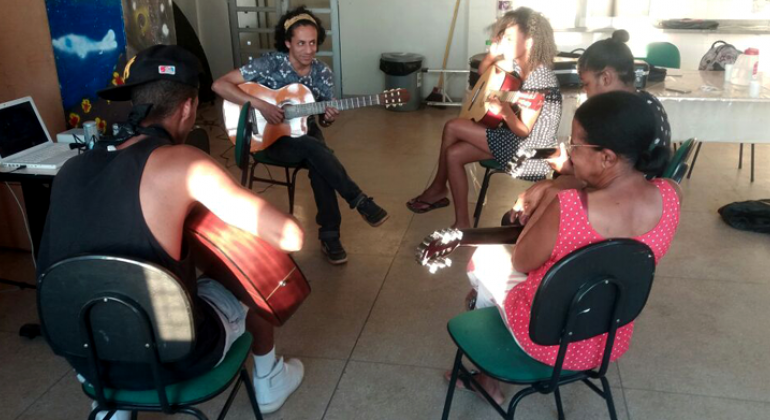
x=24, y=140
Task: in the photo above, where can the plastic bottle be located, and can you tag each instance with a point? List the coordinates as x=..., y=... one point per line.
x=746, y=67
x=488, y=46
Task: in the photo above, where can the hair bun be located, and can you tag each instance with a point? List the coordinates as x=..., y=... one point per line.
x=621, y=35
x=654, y=161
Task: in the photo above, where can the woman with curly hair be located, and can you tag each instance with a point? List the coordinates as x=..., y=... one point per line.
x=297, y=37
x=523, y=45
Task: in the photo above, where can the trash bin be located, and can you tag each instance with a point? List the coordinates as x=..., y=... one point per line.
x=404, y=70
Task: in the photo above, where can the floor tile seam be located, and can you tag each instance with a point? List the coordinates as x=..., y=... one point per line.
x=712, y=280
x=56, y=382
x=366, y=320
x=690, y=394
x=623, y=391
x=413, y=366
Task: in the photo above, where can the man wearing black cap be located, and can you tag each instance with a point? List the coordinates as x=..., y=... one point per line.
x=132, y=200
x=297, y=37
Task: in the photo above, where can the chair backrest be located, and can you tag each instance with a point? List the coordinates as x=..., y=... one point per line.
x=663, y=54
x=199, y=138
x=116, y=306
x=678, y=164
x=595, y=289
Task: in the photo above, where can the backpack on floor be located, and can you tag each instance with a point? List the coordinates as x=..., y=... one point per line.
x=748, y=215
x=718, y=55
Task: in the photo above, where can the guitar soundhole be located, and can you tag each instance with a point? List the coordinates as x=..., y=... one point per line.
x=476, y=95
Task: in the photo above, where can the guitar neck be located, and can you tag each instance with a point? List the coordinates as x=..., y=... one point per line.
x=505, y=235
x=317, y=108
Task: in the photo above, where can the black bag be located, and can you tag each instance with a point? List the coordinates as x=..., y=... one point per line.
x=718, y=55
x=748, y=215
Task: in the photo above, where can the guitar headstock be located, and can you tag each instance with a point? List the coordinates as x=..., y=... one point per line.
x=433, y=250
x=394, y=97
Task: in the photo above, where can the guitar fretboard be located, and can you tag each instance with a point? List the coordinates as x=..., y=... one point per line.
x=316, y=108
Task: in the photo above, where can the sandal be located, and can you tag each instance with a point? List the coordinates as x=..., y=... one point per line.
x=411, y=205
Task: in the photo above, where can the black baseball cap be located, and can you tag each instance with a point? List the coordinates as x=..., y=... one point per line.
x=159, y=62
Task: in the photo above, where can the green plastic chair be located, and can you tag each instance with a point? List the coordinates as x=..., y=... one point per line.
x=592, y=291
x=249, y=166
x=110, y=309
x=678, y=165
x=663, y=54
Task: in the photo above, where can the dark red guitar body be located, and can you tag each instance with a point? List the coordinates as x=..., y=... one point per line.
x=270, y=277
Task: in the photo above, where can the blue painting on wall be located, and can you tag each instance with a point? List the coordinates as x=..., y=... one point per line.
x=88, y=38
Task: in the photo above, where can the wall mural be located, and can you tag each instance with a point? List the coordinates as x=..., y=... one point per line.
x=91, y=40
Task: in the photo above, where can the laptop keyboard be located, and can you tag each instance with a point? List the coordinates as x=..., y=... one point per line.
x=39, y=156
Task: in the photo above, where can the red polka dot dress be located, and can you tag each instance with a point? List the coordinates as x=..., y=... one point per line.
x=575, y=231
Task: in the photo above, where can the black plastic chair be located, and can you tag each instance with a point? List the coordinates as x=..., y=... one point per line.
x=592, y=291
x=111, y=309
x=491, y=167
x=248, y=161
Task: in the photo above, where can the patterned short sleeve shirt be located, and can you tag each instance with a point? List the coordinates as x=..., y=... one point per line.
x=274, y=70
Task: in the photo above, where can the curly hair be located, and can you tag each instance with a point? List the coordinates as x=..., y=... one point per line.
x=533, y=25
x=282, y=35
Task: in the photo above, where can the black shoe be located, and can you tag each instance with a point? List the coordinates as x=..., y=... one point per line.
x=334, y=251
x=371, y=212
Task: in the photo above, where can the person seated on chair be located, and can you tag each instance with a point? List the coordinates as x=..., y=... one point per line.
x=612, y=150
x=523, y=44
x=298, y=35
x=131, y=199
x=606, y=66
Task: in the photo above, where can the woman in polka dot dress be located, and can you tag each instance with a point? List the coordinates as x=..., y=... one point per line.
x=524, y=45
x=612, y=150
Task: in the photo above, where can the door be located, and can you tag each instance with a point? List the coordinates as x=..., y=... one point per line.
x=252, y=23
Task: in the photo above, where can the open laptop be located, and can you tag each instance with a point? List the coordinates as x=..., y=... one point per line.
x=24, y=140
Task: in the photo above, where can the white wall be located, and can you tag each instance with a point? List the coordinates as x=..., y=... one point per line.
x=369, y=28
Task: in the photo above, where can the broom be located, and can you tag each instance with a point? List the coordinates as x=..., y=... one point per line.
x=438, y=95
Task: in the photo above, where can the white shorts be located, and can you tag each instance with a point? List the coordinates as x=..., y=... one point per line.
x=492, y=275
x=230, y=310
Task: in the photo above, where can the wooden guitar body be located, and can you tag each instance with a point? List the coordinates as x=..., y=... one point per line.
x=270, y=277
x=265, y=134
x=493, y=81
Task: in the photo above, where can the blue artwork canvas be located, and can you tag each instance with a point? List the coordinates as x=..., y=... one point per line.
x=91, y=41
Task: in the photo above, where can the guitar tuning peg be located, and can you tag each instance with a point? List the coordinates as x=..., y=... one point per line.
x=432, y=268
x=448, y=262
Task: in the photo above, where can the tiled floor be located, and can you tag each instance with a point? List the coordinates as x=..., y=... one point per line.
x=373, y=332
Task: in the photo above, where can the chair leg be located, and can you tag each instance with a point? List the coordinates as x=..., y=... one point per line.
x=252, y=394
x=482, y=196
x=251, y=176
x=517, y=399
x=134, y=415
x=752, y=162
x=192, y=411
x=559, y=407
x=740, y=156
x=694, y=158
x=230, y=399
x=450, y=392
x=292, y=189
x=608, y=398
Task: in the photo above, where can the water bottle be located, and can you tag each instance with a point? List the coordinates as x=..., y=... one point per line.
x=90, y=134
x=745, y=68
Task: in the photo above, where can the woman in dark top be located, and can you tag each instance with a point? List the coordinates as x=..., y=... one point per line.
x=523, y=45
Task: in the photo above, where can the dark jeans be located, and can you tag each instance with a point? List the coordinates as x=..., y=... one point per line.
x=327, y=175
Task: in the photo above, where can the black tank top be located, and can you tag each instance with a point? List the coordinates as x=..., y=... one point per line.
x=95, y=209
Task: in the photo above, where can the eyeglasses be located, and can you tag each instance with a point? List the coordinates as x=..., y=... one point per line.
x=570, y=146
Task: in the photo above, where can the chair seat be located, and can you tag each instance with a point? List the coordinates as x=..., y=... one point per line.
x=491, y=164
x=261, y=157
x=493, y=349
x=187, y=392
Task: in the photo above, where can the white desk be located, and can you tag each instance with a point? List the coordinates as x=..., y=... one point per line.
x=712, y=111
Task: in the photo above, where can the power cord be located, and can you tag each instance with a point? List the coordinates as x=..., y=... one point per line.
x=26, y=223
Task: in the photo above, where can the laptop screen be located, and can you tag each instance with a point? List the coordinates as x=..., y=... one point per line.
x=20, y=128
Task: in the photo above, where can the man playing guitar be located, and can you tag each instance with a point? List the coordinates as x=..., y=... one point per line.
x=132, y=200
x=297, y=37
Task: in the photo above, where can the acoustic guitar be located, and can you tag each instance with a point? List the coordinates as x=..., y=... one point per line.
x=270, y=277
x=434, y=251
x=298, y=104
x=503, y=85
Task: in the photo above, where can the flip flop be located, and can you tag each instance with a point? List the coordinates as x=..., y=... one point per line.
x=463, y=381
x=428, y=206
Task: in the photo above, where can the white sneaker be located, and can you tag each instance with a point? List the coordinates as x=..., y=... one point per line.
x=119, y=415
x=273, y=389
